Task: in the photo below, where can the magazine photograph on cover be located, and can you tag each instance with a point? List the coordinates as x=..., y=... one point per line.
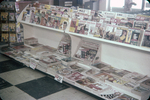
x=4, y=15
x=86, y=81
x=63, y=23
x=121, y=34
x=56, y=23
x=24, y=15
x=4, y=27
x=90, y=26
x=110, y=32
x=141, y=24
x=146, y=39
x=50, y=21
x=43, y=17
x=73, y=25
x=136, y=37
x=4, y=37
x=37, y=19
x=81, y=27
x=12, y=27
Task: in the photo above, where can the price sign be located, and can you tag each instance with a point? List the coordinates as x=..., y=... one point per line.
x=59, y=78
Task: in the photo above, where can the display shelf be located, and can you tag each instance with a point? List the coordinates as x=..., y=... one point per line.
x=40, y=26
x=110, y=42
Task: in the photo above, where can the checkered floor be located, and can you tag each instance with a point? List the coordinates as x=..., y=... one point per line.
x=17, y=82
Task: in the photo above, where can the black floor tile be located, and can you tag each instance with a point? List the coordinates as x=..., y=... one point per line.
x=4, y=84
x=41, y=87
x=9, y=65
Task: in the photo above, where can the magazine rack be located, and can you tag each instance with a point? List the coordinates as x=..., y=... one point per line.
x=118, y=55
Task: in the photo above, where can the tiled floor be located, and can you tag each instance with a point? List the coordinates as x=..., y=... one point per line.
x=17, y=82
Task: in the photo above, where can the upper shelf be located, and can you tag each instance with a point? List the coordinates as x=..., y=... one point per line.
x=89, y=37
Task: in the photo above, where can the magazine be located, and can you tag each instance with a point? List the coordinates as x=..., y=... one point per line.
x=75, y=76
x=126, y=23
x=24, y=15
x=92, y=72
x=4, y=15
x=121, y=34
x=63, y=23
x=146, y=39
x=125, y=97
x=12, y=38
x=50, y=21
x=11, y=16
x=136, y=37
x=84, y=11
x=85, y=81
x=131, y=17
x=146, y=83
x=4, y=37
x=12, y=27
x=90, y=28
x=100, y=65
x=109, y=14
x=73, y=25
x=37, y=19
x=141, y=24
x=4, y=27
x=43, y=17
x=110, y=32
x=102, y=76
x=47, y=7
x=99, y=30
x=142, y=18
x=121, y=16
x=87, y=51
x=56, y=23
x=99, y=86
x=81, y=27
x=140, y=90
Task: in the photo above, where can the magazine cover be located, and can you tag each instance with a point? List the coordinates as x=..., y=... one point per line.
x=109, y=14
x=125, y=97
x=105, y=20
x=4, y=15
x=131, y=17
x=37, y=19
x=33, y=12
x=92, y=72
x=87, y=51
x=75, y=76
x=121, y=16
x=146, y=39
x=63, y=23
x=47, y=7
x=4, y=27
x=56, y=23
x=73, y=25
x=121, y=34
x=141, y=24
x=43, y=17
x=110, y=32
x=52, y=8
x=12, y=38
x=142, y=18
x=90, y=28
x=84, y=11
x=120, y=73
x=114, y=21
x=12, y=27
x=4, y=37
x=99, y=30
x=50, y=21
x=24, y=15
x=102, y=76
x=81, y=27
x=85, y=81
x=126, y=23
x=11, y=16
x=136, y=37
x=11, y=6
x=77, y=68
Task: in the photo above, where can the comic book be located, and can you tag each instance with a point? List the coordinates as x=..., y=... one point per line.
x=24, y=15
x=87, y=51
x=99, y=30
x=4, y=27
x=125, y=97
x=81, y=24
x=50, y=22
x=43, y=17
x=12, y=27
x=11, y=16
x=121, y=34
x=4, y=37
x=73, y=25
x=37, y=19
x=4, y=15
x=85, y=81
x=136, y=37
x=141, y=24
x=146, y=39
x=109, y=33
x=12, y=37
x=56, y=23
x=63, y=23
x=90, y=28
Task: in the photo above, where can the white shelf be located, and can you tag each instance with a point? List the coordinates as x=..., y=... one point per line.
x=111, y=42
x=40, y=26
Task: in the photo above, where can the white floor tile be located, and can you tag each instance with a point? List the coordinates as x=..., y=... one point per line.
x=3, y=58
x=13, y=93
x=21, y=75
x=68, y=94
